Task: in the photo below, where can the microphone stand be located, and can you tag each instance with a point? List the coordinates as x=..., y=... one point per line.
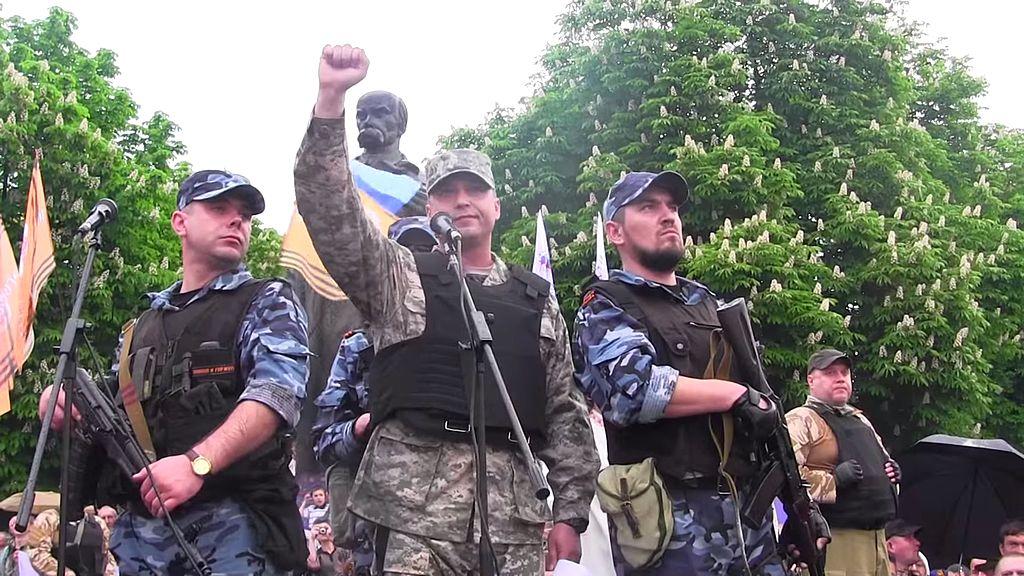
x=481, y=343
x=64, y=377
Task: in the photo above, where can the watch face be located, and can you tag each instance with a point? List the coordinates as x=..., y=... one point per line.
x=201, y=466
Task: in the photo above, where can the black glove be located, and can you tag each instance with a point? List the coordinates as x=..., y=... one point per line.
x=759, y=422
x=897, y=474
x=848, y=473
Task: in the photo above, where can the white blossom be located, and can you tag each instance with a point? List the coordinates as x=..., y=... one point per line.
x=746, y=161
x=961, y=334
x=897, y=358
x=817, y=166
x=729, y=142
x=977, y=210
x=824, y=306
x=874, y=125
x=672, y=91
x=723, y=171
x=887, y=55
x=849, y=174
x=796, y=65
x=758, y=180
x=835, y=151
x=778, y=163
x=712, y=81
x=775, y=286
x=663, y=111
x=549, y=132
x=891, y=239
x=1011, y=224
x=899, y=292
x=843, y=189
x=643, y=136
x=821, y=224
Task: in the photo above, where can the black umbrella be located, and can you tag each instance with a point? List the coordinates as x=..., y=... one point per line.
x=961, y=490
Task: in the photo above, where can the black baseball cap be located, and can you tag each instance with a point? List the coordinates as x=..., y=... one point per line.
x=900, y=527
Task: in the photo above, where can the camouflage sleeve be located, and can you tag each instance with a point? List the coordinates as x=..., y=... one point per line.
x=615, y=365
x=570, y=454
x=274, y=352
x=343, y=400
x=806, y=431
x=40, y=543
x=365, y=264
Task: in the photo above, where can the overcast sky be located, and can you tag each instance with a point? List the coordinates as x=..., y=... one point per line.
x=239, y=78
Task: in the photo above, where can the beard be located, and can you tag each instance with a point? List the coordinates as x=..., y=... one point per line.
x=664, y=260
x=370, y=137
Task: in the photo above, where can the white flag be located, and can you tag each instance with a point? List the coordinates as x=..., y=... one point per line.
x=600, y=261
x=541, y=256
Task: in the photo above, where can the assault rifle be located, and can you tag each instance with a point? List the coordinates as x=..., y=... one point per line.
x=780, y=473
x=105, y=425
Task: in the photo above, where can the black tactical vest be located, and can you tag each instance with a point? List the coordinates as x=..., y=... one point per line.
x=682, y=337
x=423, y=381
x=185, y=367
x=870, y=503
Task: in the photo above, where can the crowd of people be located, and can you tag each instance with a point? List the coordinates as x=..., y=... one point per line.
x=213, y=375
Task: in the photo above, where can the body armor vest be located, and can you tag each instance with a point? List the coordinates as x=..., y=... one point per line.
x=185, y=368
x=870, y=503
x=423, y=381
x=682, y=336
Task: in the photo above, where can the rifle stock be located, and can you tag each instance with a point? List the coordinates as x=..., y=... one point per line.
x=102, y=423
x=781, y=473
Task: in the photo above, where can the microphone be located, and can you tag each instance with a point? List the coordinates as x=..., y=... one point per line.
x=104, y=211
x=443, y=227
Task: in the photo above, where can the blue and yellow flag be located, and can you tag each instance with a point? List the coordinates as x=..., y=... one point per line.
x=384, y=195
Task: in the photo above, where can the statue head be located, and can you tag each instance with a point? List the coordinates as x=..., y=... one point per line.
x=381, y=118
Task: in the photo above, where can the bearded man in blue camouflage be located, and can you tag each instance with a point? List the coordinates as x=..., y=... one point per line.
x=648, y=353
x=417, y=478
x=216, y=368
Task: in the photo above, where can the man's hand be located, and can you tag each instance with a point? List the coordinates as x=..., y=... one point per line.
x=173, y=478
x=848, y=472
x=361, y=427
x=313, y=561
x=757, y=413
x=892, y=470
x=563, y=543
x=58, y=413
x=341, y=67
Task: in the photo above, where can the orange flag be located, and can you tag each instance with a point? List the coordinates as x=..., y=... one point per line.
x=12, y=339
x=36, y=261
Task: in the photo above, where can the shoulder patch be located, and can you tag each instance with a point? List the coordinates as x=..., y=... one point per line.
x=589, y=297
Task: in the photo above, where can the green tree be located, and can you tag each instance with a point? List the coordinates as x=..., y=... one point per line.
x=57, y=97
x=842, y=182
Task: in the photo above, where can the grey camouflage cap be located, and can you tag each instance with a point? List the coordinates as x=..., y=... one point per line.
x=633, y=184
x=209, y=184
x=459, y=160
x=411, y=230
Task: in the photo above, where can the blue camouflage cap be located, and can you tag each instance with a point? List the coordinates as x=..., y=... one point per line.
x=633, y=184
x=411, y=230
x=208, y=184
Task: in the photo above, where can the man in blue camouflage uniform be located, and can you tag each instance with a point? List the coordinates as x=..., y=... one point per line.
x=426, y=509
x=229, y=489
x=643, y=354
x=341, y=427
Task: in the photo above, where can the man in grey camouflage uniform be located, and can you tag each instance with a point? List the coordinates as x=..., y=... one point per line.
x=213, y=219
x=641, y=349
x=422, y=488
x=342, y=424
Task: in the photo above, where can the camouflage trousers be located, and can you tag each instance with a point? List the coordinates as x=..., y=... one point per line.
x=706, y=541
x=410, y=554
x=221, y=531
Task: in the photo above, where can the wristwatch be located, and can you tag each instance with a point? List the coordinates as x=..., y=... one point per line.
x=201, y=465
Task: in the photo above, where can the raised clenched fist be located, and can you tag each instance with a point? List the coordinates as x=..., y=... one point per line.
x=342, y=67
